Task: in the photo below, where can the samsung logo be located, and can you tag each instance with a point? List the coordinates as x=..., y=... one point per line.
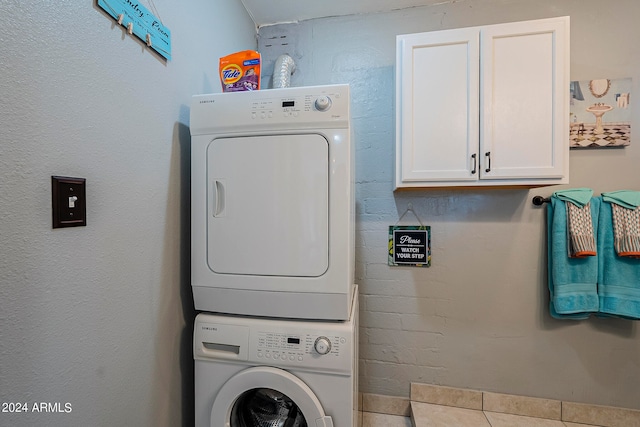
x=209, y=328
x=207, y=101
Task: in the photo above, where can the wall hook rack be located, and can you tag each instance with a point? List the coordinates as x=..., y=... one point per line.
x=141, y=23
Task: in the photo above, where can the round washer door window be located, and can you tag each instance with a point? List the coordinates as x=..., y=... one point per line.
x=266, y=407
x=266, y=396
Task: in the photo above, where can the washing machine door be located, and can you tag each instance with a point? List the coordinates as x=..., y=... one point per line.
x=267, y=397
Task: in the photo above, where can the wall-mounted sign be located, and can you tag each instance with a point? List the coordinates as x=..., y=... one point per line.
x=410, y=245
x=140, y=22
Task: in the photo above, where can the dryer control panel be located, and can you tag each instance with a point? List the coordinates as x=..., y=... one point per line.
x=297, y=108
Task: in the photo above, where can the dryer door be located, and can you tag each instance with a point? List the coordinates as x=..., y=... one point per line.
x=267, y=396
x=268, y=208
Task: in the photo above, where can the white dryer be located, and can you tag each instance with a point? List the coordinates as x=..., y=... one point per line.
x=258, y=372
x=272, y=203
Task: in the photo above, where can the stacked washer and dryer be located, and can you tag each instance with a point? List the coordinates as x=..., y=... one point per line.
x=272, y=258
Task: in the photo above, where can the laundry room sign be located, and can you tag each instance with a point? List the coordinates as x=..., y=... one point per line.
x=141, y=23
x=410, y=245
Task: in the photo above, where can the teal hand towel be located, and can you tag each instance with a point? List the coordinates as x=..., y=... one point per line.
x=626, y=198
x=572, y=281
x=577, y=196
x=618, y=277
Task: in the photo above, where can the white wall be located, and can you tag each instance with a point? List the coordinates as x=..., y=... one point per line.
x=478, y=317
x=99, y=316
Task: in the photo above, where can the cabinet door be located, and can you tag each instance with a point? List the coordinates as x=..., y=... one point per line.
x=437, y=104
x=524, y=98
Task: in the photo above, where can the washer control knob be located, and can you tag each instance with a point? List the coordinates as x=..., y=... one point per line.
x=322, y=345
x=323, y=103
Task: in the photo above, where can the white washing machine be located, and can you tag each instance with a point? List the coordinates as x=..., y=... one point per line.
x=272, y=183
x=252, y=372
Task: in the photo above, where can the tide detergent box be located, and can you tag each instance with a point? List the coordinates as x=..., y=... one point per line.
x=240, y=71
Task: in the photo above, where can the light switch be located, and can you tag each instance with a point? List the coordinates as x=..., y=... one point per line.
x=68, y=201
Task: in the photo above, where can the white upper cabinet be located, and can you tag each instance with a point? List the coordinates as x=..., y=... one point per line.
x=484, y=106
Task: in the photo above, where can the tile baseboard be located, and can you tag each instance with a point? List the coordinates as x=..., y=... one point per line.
x=389, y=405
x=447, y=396
x=607, y=416
x=522, y=405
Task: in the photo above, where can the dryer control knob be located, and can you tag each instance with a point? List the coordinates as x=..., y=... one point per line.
x=322, y=345
x=323, y=103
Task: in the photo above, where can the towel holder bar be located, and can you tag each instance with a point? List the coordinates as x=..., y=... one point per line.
x=539, y=200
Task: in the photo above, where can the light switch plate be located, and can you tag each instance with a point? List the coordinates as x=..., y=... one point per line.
x=68, y=201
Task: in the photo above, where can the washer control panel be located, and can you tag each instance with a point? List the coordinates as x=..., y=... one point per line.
x=301, y=349
x=295, y=344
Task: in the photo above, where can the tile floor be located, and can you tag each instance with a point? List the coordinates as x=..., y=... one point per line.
x=371, y=419
x=429, y=415
x=439, y=406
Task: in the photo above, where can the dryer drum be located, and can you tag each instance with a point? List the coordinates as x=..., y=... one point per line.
x=265, y=407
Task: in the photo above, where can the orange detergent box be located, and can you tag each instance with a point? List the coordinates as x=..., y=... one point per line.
x=240, y=71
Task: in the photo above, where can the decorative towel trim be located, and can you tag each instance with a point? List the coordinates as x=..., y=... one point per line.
x=577, y=299
x=620, y=301
x=581, y=241
x=626, y=231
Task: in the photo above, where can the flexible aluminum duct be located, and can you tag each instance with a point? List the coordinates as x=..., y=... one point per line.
x=282, y=70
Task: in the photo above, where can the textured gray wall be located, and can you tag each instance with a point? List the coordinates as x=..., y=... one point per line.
x=478, y=317
x=99, y=316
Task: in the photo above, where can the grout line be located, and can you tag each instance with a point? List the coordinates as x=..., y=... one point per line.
x=485, y=415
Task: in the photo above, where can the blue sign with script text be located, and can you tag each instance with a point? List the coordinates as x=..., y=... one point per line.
x=141, y=23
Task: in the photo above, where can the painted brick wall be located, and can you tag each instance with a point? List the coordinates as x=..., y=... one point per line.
x=478, y=317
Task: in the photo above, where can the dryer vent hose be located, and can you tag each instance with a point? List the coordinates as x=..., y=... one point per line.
x=282, y=71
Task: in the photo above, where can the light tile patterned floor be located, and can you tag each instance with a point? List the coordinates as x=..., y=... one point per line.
x=429, y=415
x=447, y=416
x=440, y=406
x=371, y=419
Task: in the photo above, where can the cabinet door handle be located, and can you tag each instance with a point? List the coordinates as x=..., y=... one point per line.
x=487, y=155
x=475, y=164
